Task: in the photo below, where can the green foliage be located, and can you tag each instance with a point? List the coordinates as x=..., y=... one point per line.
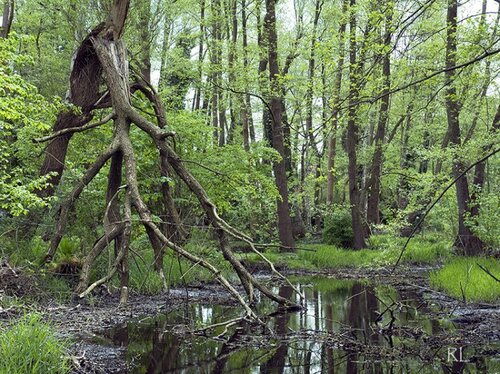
x=338, y=229
x=23, y=113
x=463, y=279
x=31, y=346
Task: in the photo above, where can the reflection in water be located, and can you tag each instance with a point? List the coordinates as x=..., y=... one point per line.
x=302, y=343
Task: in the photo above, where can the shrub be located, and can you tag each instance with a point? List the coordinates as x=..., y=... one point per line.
x=31, y=346
x=338, y=229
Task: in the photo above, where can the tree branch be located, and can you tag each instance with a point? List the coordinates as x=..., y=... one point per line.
x=72, y=130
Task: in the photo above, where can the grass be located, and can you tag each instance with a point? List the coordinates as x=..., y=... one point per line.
x=177, y=271
x=31, y=346
x=383, y=251
x=463, y=279
x=280, y=260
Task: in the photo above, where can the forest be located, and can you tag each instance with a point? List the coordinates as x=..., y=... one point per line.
x=254, y=186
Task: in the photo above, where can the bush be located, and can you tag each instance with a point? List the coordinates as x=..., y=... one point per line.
x=338, y=229
x=30, y=346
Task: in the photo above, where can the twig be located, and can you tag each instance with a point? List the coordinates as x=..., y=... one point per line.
x=487, y=271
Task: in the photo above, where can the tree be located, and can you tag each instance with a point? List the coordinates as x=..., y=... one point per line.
x=275, y=107
x=466, y=239
x=105, y=43
x=373, y=186
x=358, y=227
x=7, y=17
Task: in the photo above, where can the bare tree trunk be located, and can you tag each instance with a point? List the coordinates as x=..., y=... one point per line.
x=373, y=187
x=284, y=221
x=332, y=142
x=7, y=17
x=466, y=240
x=246, y=107
x=111, y=54
x=352, y=136
x=197, y=95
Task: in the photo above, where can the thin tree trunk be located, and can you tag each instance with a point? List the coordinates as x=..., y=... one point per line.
x=234, y=100
x=246, y=105
x=480, y=170
x=197, y=96
x=146, y=40
x=373, y=188
x=332, y=142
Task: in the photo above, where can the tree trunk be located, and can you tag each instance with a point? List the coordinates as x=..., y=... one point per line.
x=332, y=142
x=284, y=220
x=83, y=93
x=373, y=187
x=480, y=169
x=466, y=240
x=7, y=17
x=197, y=95
x=352, y=136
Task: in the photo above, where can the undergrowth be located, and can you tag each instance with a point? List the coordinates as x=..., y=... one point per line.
x=31, y=346
x=463, y=278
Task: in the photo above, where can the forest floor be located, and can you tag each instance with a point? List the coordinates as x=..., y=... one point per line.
x=476, y=324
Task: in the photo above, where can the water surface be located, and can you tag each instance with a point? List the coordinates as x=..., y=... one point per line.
x=347, y=327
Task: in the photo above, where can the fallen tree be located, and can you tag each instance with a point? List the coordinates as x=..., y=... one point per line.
x=106, y=50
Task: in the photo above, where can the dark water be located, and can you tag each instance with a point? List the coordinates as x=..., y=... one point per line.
x=341, y=316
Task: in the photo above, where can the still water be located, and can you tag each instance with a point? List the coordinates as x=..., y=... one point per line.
x=347, y=327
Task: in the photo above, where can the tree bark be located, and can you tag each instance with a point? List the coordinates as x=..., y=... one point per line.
x=284, y=221
x=7, y=18
x=373, y=187
x=246, y=107
x=332, y=141
x=466, y=240
x=352, y=136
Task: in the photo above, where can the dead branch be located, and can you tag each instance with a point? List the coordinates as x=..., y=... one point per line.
x=73, y=130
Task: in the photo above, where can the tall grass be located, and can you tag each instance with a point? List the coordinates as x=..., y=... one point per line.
x=31, y=346
x=464, y=279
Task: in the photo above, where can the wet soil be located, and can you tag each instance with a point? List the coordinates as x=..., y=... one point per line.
x=475, y=324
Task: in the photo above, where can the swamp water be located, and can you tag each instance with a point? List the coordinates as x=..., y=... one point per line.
x=347, y=327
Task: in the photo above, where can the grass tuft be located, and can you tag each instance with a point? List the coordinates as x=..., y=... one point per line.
x=31, y=346
x=463, y=279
